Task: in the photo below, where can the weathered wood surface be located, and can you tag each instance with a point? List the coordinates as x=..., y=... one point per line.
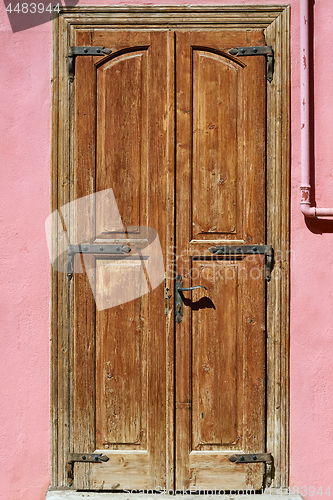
x=275, y=21
x=278, y=204
x=123, y=142
x=82, y=229
x=220, y=193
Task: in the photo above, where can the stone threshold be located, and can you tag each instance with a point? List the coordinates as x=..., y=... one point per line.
x=101, y=495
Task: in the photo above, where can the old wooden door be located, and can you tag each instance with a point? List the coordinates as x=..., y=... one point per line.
x=175, y=127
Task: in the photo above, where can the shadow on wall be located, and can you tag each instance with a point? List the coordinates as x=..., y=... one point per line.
x=319, y=226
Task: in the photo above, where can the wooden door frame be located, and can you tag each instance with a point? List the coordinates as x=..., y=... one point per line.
x=275, y=21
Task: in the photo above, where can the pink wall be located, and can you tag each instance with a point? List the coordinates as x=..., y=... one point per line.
x=25, y=200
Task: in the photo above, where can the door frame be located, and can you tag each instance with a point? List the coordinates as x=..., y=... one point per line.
x=275, y=21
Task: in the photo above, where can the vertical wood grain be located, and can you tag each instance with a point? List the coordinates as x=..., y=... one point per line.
x=62, y=172
x=275, y=20
x=214, y=358
x=119, y=378
x=124, y=126
x=207, y=422
x=162, y=158
x=183, y=402
x=84, y=305
x=278, y=205
x=122, y=131
x=215, y=91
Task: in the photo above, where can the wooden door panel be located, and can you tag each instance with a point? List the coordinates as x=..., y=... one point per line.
x=122, y=135
x=84, y=354
x=215, y=82
x=228, y=369
x=214, y=354
x=209, y=470
x=220, y=342
x=225, y=356
x=124, y=143
x=228, y=330
x=121, y=391
x=122, y=471
x=221, y=137
x=84, y=372
x=124, y=360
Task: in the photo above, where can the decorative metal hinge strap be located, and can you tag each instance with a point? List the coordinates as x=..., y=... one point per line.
x=73, y=52
x=86, y=248
x=96, y=458
x=257, y=51
x=252, y=458
x=248, y=458
x=241, y=250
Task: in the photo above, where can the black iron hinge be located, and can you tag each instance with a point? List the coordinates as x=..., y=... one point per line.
x=96, y=458
x=73, y=52
x=239, y=251
x=88, y=248
x=253, y=458
x=266, y=50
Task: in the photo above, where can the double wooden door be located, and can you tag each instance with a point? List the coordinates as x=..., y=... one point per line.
x=175, y=127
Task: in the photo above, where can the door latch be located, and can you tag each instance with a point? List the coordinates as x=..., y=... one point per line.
x=179, y=296
x=166, y=297
x=239, y=251
x=96, y=458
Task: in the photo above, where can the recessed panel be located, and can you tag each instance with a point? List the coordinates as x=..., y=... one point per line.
x=122, y=136
x=118, y=354
x=214, y=353
x=215, y=147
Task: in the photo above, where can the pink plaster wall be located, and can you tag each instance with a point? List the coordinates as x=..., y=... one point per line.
x=24, y=309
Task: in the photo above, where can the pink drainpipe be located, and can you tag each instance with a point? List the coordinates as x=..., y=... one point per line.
x=306, y=207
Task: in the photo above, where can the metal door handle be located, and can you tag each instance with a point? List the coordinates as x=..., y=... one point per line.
x=190, y=288
x=179, y=297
